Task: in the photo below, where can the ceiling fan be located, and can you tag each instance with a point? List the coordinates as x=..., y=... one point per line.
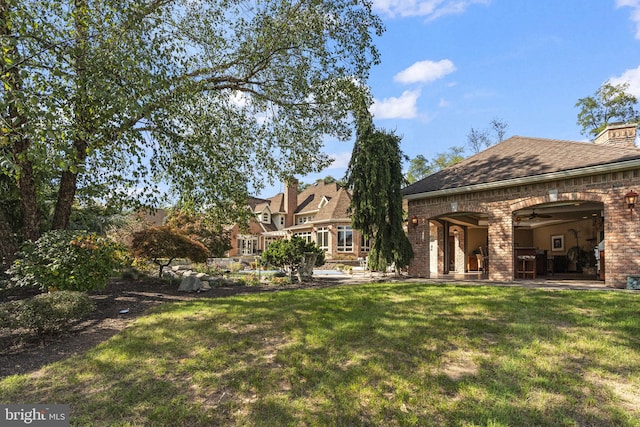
x=537, y=215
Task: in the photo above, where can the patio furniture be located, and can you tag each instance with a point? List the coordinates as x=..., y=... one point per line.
x=525, y=262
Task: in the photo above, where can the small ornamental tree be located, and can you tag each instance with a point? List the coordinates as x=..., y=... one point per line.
x=67, y=260
x=165, y=243
x=199, y=228
x=291, y=254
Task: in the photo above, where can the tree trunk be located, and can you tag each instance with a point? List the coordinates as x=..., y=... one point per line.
x=64, y=203
x=69, y=179
x=8, y=243
x=16, y=117
x=27, y=186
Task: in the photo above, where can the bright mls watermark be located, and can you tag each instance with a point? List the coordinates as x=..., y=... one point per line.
x=34, y=415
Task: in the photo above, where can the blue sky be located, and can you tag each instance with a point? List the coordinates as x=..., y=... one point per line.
x=450, y=65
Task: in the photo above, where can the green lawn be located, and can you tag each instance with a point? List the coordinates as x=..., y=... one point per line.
x=378, y=354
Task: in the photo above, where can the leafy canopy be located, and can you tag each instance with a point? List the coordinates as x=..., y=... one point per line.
x=164, y=243
x=113, y=100
x=420, y=167
x=198, y=227
x=610, y=104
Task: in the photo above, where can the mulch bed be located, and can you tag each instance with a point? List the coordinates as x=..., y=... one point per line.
x=22, y=353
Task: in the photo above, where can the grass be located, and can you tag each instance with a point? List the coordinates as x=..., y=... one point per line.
x=378, y=354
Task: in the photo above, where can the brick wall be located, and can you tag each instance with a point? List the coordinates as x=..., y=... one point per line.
x=622, y=228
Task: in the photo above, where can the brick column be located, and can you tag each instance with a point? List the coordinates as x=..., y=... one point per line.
x=621, y=240
x=500, y=243
x=440, y=241
x=419, y=238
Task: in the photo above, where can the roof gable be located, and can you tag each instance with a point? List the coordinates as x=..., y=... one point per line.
x=336, y=208
x=310, y=198
x=521, y=157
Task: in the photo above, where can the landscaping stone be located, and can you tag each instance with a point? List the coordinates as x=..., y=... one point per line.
x=190, y=284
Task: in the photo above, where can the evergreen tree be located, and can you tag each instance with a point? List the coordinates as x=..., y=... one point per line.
x=375, y=179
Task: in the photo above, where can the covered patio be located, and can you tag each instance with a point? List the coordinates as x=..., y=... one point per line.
x=532, y=209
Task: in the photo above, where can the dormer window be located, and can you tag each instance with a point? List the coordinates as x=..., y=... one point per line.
x=323, y=203
x=265, y=217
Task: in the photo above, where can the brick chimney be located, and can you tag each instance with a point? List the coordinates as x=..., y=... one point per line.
x=290, y=200
x=618, y=134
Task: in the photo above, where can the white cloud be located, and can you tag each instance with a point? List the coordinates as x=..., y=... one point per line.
x=403, y=107
x=425, y=72
x=635, y=12
x=340, y=160
x=432, y=9
x=632, y=77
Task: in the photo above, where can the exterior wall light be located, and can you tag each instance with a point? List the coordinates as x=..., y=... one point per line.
x=414, y=221
x=631, y=198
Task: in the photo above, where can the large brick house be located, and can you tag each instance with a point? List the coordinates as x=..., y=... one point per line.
x=318, y=214
x=526, y=202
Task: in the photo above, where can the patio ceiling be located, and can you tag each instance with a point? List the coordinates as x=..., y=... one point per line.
x=546, y=214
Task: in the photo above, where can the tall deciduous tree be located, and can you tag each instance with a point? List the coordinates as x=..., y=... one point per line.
x=420, y=167
x=479, y=139
x=110, y=97
x=375, y=179
x=610, y=103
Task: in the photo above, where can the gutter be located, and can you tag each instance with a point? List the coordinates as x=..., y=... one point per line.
x=553, y=176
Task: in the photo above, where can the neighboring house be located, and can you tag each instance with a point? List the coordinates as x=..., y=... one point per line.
x=526, y=202
x=318, y=214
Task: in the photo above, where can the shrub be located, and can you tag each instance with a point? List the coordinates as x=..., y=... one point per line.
x=280, y=281
x=67, y=260
x=46, y=313
x=291, y=254
x=209, y=270
x=234, y=267
x=252, y=280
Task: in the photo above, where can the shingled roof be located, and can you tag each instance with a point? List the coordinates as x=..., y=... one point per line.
x=522, y=157
x=309, y=199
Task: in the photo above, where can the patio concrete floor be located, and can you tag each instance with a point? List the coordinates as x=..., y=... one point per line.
x=557, y=281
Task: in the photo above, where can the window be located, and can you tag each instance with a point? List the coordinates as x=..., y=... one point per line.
x=322, y=238
x=268, y=241
x=265, y=217
x=305, y=219
x=306, y=236
x=345, y=239
x=281, y=220
x=247, y=246
x=365, y=244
